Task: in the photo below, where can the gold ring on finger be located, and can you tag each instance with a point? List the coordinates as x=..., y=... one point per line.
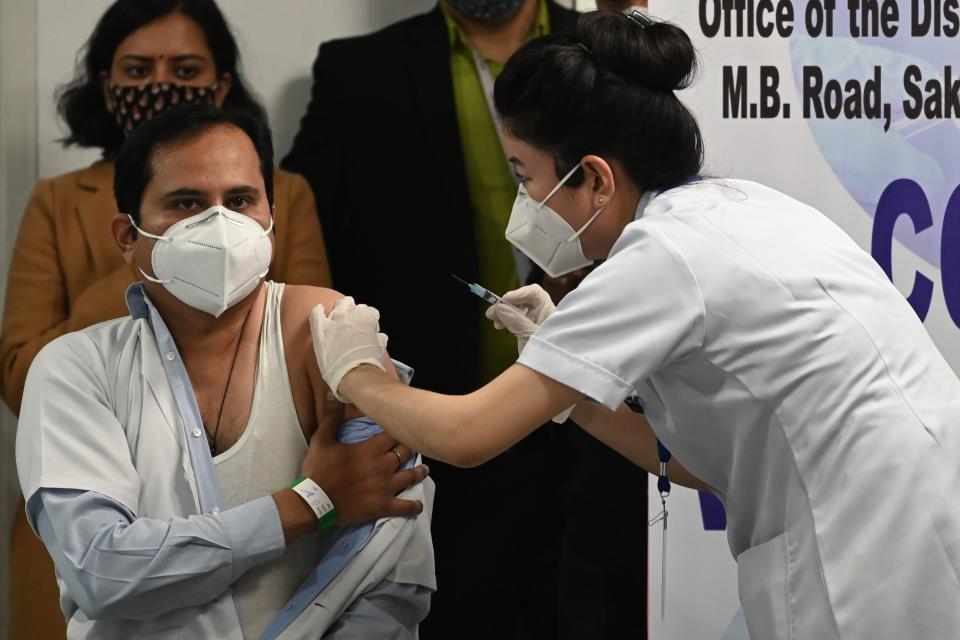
x=399, y=459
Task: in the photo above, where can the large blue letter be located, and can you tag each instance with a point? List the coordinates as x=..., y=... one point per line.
x=714, y=517
x=950, y=256
x=903, y=197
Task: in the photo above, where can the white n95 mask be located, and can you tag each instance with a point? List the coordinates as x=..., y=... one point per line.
x=212, y=260
x=544, y=236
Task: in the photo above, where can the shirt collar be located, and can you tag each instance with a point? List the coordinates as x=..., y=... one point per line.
x=541, y=26
x=650, y=195
x=642, y=204
x=137, y=301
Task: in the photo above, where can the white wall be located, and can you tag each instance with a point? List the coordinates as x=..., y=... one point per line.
x=18, y=165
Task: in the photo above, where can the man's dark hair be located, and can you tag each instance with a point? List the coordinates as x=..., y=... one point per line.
x=81, y=103
x=134, y=161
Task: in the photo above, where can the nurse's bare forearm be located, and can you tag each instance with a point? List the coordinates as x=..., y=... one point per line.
x=462, y=430
x=434, y=424
x=630, y=435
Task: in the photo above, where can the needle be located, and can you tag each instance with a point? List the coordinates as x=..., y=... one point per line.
x=487, y=295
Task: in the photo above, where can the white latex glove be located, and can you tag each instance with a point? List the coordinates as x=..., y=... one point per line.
x=349, y=337
x=537, y=307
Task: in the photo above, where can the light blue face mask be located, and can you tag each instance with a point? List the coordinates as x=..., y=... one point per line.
x=485, y=10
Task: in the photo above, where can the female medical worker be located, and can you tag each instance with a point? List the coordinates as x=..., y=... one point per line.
x=770, y=353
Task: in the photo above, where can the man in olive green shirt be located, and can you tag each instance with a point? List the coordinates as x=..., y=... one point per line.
x=490, y=178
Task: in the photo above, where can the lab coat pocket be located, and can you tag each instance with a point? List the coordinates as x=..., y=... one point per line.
x=764, y=581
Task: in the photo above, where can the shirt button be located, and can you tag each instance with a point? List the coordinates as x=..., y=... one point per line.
x=215, y=510
x=196, y=432
x=171, y=356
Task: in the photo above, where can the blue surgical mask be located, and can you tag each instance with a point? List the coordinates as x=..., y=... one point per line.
x=485, y=10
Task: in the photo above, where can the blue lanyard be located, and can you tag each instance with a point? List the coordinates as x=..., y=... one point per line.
x=663, y=488
x=663, y=482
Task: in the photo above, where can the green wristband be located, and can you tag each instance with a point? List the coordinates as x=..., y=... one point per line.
x=317, y=500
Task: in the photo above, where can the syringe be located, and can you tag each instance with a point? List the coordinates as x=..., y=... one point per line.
x=485, y=294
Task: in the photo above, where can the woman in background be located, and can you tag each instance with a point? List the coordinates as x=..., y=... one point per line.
x=144, y=56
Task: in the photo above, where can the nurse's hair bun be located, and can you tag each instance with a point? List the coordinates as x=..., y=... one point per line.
x=639, y=49
x=608, y=89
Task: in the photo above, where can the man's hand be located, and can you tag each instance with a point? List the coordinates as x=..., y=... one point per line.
x=363, y=479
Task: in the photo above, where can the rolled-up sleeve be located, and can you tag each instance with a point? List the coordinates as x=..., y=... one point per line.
x=116, y=565
x=68, y=435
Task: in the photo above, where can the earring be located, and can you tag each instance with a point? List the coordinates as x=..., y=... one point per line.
x=600, y=200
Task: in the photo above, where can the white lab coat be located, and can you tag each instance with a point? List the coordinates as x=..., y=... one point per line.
x=779, y=364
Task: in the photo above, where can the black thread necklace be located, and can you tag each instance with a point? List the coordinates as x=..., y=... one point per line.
x=212, y=440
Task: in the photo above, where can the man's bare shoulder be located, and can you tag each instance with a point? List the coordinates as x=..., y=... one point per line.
x=300, y=299
x=295, y=307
